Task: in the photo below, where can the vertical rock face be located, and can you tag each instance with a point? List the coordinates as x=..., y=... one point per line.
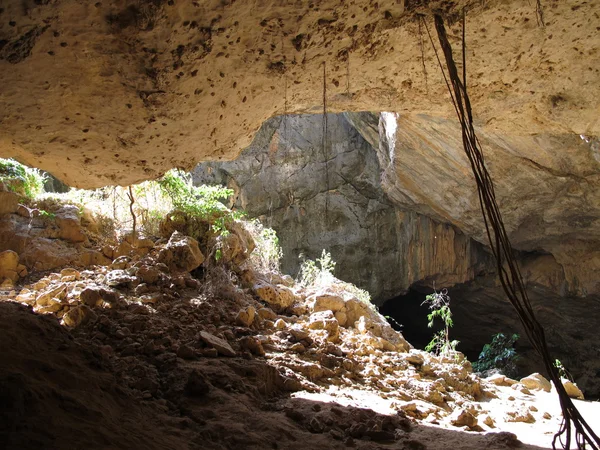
x=330, y=197
x=547, y=187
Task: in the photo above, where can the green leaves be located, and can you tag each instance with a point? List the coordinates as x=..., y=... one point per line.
x=498, y=354
x=203, y=202
x=29, y=182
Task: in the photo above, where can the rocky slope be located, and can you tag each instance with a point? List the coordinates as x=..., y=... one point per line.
x=231, y=357
x=391, y=198
x=103, y=93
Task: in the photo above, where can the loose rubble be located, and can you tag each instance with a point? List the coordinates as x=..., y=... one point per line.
x=149, y=319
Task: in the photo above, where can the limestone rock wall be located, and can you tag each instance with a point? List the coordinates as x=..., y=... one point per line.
x=333, y=199
x=547, y=187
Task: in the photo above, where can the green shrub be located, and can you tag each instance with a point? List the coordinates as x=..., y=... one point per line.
x=203, y=202
x=267, y=254
x=319, y=271
x=499, y=354
x=21, y=179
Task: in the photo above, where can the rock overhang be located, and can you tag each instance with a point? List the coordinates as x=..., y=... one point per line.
x=116, y=93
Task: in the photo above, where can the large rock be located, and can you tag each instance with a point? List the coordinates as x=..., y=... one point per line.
x=278, y=297
x=68, y=219
x=221, y=345
x=181, y=253
x=572, y=390
x=9, y=202
x=9, y=263
x=536, y=382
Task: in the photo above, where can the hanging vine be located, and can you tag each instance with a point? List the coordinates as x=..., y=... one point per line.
x=325, y=150
x=422, y=47
x=507, y=267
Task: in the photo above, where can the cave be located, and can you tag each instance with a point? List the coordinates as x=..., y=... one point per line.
x=219, y=221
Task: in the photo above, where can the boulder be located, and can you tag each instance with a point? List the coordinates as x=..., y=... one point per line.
x=78, y=316
x=237, y=245
x=221, y=345
x=148, y=274
x=58, y=292
x=89, y=257
x=267, y=313
x=536, y=382
x=245, y=317
x=9, y=266
x=326, y=302
x=181, y=253
x=9, y=202
x=521, y=415
x=278, y=297
x=355, y=309
x=500, y=380
x=119, y=278
x=325, y=320
x=68, y=220
x=572, y=390
x=96, y=295
x=462, y=418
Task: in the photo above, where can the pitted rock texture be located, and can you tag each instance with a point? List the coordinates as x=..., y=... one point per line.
x=101, y=93
x=333, y=199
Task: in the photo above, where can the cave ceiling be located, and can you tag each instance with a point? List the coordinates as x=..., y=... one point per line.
x=113, y=92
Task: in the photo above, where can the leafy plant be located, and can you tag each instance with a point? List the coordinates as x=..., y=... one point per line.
x=315, y=272
x=439, y=304
x=267, y=254
x=499, y=354
x=21, y=179
x=199, y=201
x=562, y=371
x=47, y=215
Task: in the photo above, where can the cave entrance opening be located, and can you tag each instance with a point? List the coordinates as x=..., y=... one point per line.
x=408, y=313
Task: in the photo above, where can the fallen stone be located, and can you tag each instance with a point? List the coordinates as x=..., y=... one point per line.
x=500, y=380
x=279, y=297
x=221, y=345
x=78, y=316
x=57, y=292
x=537, y=382
x=148, y=274
x=267, y=313
x=326, y=302
x=9, y=202
x=520, y=416
x=186, y=352
x=91, y=296
x=487, y=420
x=181, y=253
x=245, y=317
x=120, y=263
x=572, y=390
x=9, y=263
x=119, y=277
x=252, y=344
x=69, y=222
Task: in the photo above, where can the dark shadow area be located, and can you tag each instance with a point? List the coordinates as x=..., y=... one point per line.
x=480, y=310
x=58, y=392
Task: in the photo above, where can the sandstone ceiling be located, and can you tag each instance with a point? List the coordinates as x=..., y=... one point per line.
x=119, y=91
